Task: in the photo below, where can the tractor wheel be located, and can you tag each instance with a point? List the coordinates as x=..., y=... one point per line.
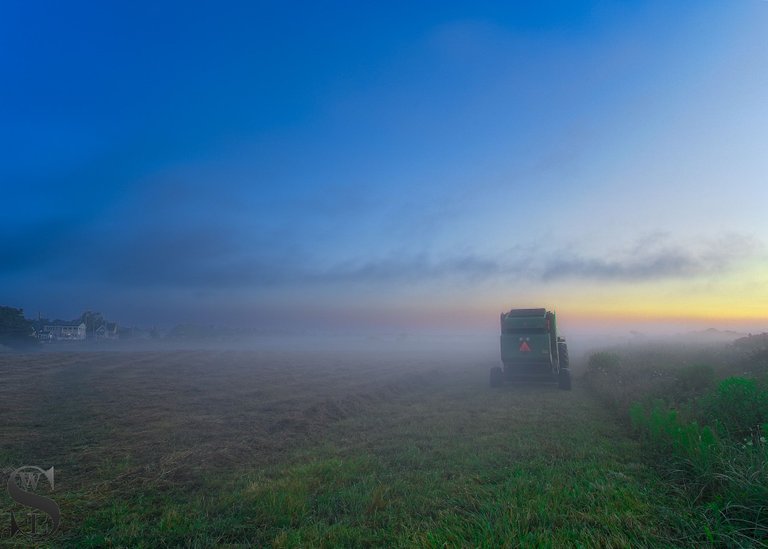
x=497, y=377
x=562, y=351
x=564, y=379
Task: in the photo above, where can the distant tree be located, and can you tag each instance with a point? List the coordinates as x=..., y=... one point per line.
x=15, y=330
x=92, y=322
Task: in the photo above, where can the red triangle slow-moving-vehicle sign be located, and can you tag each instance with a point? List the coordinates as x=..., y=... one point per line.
x=524, y=348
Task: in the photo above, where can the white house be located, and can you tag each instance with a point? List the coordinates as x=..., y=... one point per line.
x=70, y=331
x=107, y=330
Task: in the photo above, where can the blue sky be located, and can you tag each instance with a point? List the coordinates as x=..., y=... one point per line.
x=398, y=164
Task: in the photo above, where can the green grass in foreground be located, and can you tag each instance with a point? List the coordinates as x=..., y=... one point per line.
x=703, y=428
x=450, y=463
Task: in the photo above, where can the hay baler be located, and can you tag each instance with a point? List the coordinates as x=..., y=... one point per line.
x=531, y=349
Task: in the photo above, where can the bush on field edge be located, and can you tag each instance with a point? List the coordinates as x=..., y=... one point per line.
x=708, y=436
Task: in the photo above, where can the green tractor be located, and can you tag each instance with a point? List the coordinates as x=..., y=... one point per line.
x=531, y=350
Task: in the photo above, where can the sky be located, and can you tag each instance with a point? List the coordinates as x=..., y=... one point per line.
x=386, y=166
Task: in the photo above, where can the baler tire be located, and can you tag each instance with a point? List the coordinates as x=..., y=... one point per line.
x=497, y=377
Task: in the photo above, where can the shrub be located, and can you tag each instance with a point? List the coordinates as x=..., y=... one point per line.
x=709, y=438
x=728, y=475
x=667, y=432
x=605, y=363
x=696, y=378
x=755, y=363
x=737, y=407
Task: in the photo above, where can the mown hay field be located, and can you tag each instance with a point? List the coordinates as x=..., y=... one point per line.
x=297, y=448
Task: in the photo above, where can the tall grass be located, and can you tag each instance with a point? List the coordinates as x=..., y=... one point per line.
x=707, y=435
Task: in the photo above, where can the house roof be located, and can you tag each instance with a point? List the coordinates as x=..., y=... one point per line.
x=69, y=324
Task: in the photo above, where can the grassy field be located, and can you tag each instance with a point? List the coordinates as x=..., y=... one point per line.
x=286, y=449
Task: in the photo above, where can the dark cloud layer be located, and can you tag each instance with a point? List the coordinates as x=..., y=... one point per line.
x=413, y=268
x=670, y=264
x=653, y=263
x=649, y=262
x=211, y=259
x=210, y=254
